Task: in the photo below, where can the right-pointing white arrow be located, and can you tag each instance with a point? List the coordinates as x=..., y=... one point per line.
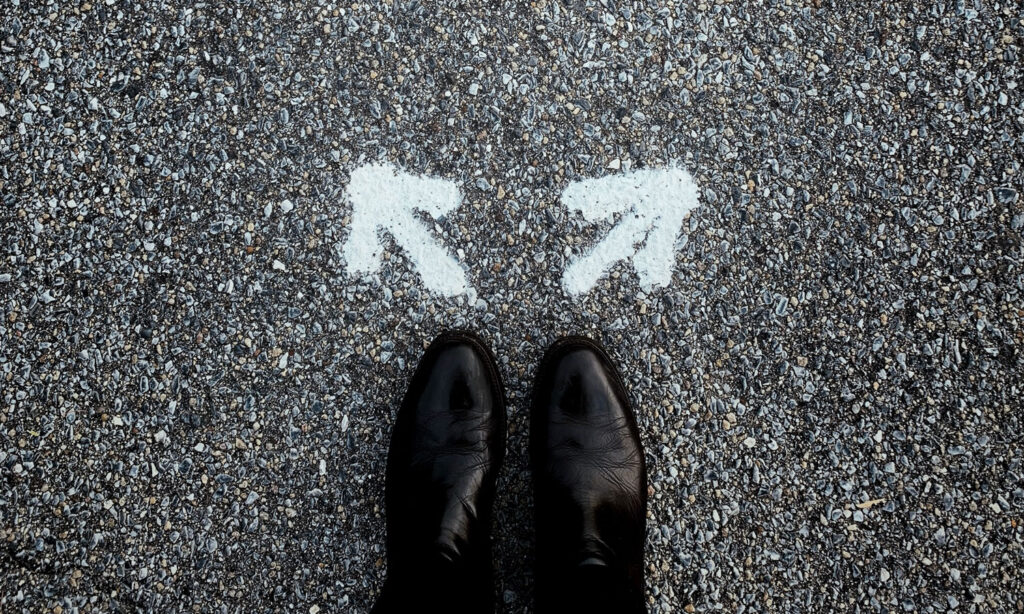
x=653, y=204
x=385, y=199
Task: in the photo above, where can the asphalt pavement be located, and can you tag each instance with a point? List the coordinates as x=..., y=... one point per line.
x=198, y=377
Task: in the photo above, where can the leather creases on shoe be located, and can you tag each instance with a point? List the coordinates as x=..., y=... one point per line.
x=447, y=445
x=590, y=483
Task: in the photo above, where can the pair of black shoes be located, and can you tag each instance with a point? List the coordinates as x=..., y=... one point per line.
x=590, y=483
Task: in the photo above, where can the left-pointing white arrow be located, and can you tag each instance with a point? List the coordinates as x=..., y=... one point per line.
x=384, y=199
x=653, y=204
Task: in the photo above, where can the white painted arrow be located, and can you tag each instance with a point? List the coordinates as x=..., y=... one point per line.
x=384, y=199
x=653, y=204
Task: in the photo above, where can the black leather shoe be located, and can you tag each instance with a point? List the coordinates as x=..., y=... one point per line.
x=590, y=484
x=446, y=447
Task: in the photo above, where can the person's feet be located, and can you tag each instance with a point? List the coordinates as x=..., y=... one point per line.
x=590, y=484
x=447, y=445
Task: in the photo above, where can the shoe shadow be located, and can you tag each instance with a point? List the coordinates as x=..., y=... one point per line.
x=513, y=532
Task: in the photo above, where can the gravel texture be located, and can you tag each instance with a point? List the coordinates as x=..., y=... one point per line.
x=196, y=399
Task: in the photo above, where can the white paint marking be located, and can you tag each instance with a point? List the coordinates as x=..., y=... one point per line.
x=384, y=200
x=653, y=204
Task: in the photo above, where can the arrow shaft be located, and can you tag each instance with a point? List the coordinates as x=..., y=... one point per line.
x=620, y=244
x=655, y=260
x=439, y=270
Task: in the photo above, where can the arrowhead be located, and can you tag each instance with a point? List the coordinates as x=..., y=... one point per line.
x=396, y=193
x=384, y=199
x=653, y=204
